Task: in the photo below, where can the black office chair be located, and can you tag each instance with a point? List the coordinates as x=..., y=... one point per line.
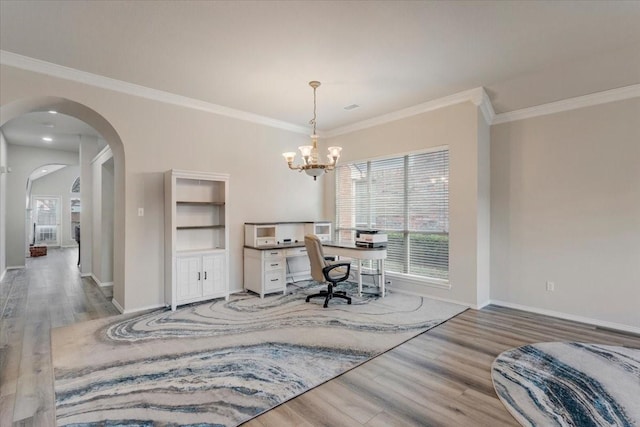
x=323, y=270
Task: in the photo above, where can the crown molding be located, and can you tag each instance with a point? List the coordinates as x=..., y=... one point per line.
x=483, y=101
x=31, y=64
x=477, y=96
x=568, y=104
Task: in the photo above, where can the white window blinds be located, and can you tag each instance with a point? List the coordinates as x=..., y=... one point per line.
x=408, y=198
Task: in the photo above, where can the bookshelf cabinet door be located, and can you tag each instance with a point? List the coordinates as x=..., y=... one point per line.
x=213, y=267
x=189, y=283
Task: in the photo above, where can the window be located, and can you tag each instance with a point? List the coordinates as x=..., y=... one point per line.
x=75, y=209
x=75, y=217
x=408, y=198
x=75, y=188
x=46, y=220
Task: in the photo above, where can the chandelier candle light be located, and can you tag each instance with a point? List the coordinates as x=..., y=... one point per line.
x=310, y=152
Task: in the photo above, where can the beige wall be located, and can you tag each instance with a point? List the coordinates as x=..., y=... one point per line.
x=157, y=137
x=102, y=218
x=460, y=127
x=565, y=207
x=3, y=205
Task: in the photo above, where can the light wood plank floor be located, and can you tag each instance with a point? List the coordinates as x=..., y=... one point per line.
x=48, y=293
x=441, y=377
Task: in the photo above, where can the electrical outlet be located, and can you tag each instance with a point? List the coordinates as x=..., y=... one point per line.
x=140, y=211
x=551, y=286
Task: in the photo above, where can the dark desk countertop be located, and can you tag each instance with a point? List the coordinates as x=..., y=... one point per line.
x=347, y=244
x=285, y=222
x=271, y=247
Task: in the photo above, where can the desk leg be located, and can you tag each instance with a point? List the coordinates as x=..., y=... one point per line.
x=382, y=281
x=359, y=277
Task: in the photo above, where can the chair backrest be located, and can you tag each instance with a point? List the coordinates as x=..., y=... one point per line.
x=316, y=256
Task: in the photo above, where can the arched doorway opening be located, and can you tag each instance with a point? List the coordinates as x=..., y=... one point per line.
x=106, y=130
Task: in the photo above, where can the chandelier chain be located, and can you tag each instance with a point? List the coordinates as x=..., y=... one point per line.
x=313, y=121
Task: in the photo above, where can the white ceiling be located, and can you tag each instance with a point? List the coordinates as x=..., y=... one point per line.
x=257, y=56
x=65, y=132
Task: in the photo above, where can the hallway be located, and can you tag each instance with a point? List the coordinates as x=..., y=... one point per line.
x=47, y=294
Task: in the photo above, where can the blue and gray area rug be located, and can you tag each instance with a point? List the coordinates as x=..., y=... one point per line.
x=570, y=384
x=224, y=362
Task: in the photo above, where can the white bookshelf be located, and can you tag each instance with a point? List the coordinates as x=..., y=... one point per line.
x=196, y=236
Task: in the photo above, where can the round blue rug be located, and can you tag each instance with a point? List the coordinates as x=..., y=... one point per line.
x=570, y=384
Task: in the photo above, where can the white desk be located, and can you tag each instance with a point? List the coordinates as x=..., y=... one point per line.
x=274, y=251
x=350, y=250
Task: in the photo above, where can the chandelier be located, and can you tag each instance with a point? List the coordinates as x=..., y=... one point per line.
x=309, y=153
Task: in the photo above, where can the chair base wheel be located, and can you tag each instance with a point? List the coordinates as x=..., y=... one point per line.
x=328, y=295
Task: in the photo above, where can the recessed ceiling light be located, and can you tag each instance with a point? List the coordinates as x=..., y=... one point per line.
x=53, y=112
x=351, y=107
x=44, y=170
x=47, y=138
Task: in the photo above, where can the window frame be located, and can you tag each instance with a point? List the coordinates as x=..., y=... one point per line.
x=406, y=231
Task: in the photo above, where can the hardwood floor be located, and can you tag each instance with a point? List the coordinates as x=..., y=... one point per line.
x=441, y=377
x=48, y=293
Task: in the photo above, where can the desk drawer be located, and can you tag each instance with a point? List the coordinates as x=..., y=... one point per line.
x=265, y=241
x=273, y=265
x=273, y=280
x=273, y=254
x=296, y=252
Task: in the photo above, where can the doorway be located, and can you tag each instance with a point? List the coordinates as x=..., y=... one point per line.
x=13, y=221
x=46, y=221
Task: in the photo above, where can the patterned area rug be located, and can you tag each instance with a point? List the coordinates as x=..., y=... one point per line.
x=570, y=384
x=222, y=363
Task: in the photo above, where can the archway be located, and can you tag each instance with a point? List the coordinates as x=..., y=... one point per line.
x=102, y=126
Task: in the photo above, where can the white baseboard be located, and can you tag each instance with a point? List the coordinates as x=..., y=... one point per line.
x=420, y=294
x=2, y=275
x=149, y=307
x=15, y=267
x=94, y=278
x=98, y=282
x=566, y=316
x=452, y=301
x=117, y=304
x=86, y=275
x=483, y=305
x=135, y=310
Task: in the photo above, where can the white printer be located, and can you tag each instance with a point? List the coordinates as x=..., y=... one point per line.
x=371, y=239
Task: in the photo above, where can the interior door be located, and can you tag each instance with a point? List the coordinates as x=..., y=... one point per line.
x=47, y=221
